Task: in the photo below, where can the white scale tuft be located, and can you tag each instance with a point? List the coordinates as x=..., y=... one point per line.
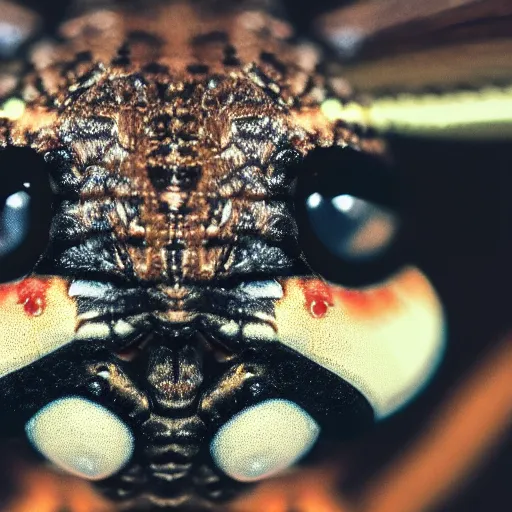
x=263, y=440
x=81, y=437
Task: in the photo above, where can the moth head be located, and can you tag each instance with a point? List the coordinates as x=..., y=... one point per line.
x=225, y=206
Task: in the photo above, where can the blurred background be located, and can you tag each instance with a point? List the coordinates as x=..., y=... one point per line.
x=451, y=449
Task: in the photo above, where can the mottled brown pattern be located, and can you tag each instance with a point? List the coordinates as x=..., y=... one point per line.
x=156, y=98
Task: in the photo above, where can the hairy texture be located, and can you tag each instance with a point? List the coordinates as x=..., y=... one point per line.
x=171, y=131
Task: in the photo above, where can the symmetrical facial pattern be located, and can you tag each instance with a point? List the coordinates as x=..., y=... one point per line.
x=173, y=319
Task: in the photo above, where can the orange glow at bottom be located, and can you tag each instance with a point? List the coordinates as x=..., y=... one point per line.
x=307, y=490
x=42, y=490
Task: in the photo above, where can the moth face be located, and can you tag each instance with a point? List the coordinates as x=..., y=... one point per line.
x=217, y=289
x=163, y=193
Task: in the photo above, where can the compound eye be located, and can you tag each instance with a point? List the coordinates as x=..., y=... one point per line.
x=348, y=214
x=25, y=211
x=352, y=228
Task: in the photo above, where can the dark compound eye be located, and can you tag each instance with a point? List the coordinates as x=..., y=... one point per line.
x=348, y=210
x=350, y=227
x=25, y=211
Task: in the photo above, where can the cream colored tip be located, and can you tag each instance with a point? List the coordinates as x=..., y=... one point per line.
x=81, y=437
x=384, y=340
x=34, y=323
x=264, y=440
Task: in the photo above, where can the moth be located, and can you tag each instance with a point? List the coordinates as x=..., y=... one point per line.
x=202, y=248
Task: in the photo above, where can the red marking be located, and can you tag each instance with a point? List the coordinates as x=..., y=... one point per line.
x=319, y=309
x=318, y=297
x=372, y=301
x=30, y=292
x=358, y=299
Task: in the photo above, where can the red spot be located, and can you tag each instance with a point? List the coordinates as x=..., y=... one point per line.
x=32, y=294
x=319, y=309
x=318, y=297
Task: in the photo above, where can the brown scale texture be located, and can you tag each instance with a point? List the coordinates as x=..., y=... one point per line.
x=188, y=113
